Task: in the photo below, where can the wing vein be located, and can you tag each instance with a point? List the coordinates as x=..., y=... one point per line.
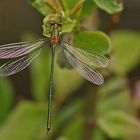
x=19, y=49
x=83, y=68
x=14, y=66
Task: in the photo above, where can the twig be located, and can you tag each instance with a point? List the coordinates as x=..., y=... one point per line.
x=76, y=8
x=89, y=113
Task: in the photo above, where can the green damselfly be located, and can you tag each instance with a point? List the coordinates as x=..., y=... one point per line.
x=23, y=53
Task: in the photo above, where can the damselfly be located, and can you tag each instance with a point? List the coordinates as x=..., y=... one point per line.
x=23, y=53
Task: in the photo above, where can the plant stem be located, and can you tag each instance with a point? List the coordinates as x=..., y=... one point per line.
x=76, y=8
x=89, y=113
x=58, y=6
x=50, y=4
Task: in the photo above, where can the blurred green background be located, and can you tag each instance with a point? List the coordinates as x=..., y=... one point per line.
x=81, y=110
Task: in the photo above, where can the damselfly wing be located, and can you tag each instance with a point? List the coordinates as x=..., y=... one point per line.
x=86, y=63
x=25, y=52
x=15, y=50
x=22, y=54
x=14, y=66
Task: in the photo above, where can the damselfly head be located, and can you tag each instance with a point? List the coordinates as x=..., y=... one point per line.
x=52, y=25
x=55, y=25
x=53, y=19
x=59, y=24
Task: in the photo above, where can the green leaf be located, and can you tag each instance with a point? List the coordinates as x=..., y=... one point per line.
x=67, y=113
x=68, y=4
x=126, y=48
x=119, y=124
x=98, y=134
x=6, y=98
x=88, y=7
x=74, y=128
x=68, y=26
x=26, y=122
x=41, y=7
x=110, y=6
x=72, y=8
x=112, y=93
x=93, y=41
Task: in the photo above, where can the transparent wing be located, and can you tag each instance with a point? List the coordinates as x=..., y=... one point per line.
x=85, y=63
x=19, y=49
x=14, y=66
x=92, y=59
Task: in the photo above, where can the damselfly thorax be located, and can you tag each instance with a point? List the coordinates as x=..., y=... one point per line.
x=55, y=29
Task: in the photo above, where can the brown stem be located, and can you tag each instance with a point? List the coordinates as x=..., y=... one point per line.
x=55, y=5
x=89, y=113
x=58, y=6
x=50, y=4
x=114, y=21
x=76, y=8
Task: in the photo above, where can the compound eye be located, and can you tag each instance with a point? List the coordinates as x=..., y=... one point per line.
x=59, y=24
x=52, y=23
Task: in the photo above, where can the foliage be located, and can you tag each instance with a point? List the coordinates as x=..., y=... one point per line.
x=121, y=55
x=99, y=42
x=6, y=98
x=111, y=6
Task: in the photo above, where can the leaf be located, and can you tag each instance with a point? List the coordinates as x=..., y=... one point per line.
x=68, y=4
x=88, y=7
x=110, y=6
x=74, y=128
x=112, y=93
x=66, y=114
x=27, y=121
x=41, y=7
x=68, y=26
x=126, y=48
x=119, y=124
x=94, y=41
x=98, y=134
x=6, y=98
